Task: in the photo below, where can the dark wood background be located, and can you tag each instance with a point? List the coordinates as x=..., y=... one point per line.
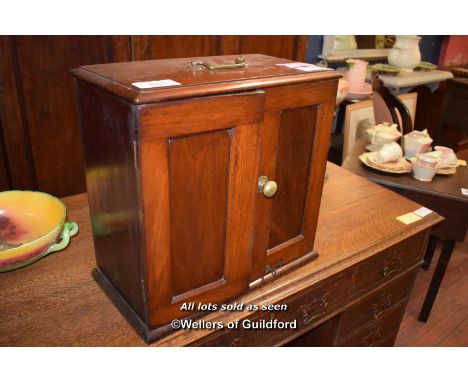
x=40, y=144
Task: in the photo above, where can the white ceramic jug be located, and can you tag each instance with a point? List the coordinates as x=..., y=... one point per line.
x=344, y=42
x=405, y=53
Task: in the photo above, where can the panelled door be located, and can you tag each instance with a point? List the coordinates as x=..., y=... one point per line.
x=294, y=140
x=199, y=163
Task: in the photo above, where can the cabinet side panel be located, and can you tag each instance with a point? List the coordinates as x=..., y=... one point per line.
x=199, y=166
x=107, y=126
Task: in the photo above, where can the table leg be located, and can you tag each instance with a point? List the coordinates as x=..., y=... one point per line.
x=439, y=272
x=431, y=247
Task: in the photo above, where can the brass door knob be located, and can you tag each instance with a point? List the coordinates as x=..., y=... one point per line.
x=266, y=186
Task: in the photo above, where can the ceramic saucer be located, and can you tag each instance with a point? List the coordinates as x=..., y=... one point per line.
x=371, y=147
x=400, y=166
x=448, y=170
x=362, y=91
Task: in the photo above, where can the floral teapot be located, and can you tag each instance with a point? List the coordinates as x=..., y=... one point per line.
x=382, y=134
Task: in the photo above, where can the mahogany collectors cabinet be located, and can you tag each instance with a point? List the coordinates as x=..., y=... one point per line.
x=202, y=188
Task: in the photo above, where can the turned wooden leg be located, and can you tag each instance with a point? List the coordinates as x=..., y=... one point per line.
x=439, y=272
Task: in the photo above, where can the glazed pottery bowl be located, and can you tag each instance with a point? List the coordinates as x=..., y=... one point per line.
x=32, y=225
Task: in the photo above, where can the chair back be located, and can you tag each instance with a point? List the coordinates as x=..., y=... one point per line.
x=386, y=105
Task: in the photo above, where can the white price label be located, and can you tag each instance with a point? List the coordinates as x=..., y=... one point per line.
x=155, y=84
x=423, y=211
x=305, y=67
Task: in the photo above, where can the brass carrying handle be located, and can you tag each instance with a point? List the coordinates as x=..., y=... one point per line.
x=266, y=186
x=239, y=63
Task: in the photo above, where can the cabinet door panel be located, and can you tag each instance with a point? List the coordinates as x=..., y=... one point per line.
x=296, y=130
x=199, y=166
x=295, y=139
x=199, y=190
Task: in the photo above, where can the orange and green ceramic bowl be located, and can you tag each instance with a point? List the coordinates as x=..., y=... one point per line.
x=32, y=225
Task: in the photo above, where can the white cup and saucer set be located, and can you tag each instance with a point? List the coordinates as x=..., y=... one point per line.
x=387, y=155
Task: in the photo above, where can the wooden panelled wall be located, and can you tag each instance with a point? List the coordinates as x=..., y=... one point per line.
x=40, y=144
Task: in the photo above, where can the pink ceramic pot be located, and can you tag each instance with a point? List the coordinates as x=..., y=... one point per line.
x=356, y=73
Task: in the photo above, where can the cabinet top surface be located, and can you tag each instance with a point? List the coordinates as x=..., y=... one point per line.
x=260, y=71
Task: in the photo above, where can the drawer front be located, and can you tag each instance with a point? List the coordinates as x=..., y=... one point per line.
x=376, y=305
x=306, y=309
x=379, y=333
x=373, y=322
x=389, y=263
x=247, y=337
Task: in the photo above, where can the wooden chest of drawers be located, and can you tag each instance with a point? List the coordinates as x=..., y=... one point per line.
x=364, y=308
x=201, y=180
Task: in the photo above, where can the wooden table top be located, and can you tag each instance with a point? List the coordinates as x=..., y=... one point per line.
x=56, y=302
x=446, y=186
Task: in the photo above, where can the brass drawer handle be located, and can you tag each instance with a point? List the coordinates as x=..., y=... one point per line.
x=266, y=186
x=372, y=338
x=307, y=310
x=395, y=265
x=239, y=63
x=382, y=306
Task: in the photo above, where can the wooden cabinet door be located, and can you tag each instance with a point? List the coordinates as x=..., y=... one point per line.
x=199, y=160
x=295, y=140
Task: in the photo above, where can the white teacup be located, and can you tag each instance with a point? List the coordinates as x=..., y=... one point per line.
x=421, y=172
x=432, y=159
x=389, y=152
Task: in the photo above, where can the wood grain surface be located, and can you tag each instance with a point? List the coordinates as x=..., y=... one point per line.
x=56, y=302
x=198, y=191
x=261, y=72
x=295, y=113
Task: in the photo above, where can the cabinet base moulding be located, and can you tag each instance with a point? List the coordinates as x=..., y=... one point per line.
x=151, y=335
x=148, y=335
